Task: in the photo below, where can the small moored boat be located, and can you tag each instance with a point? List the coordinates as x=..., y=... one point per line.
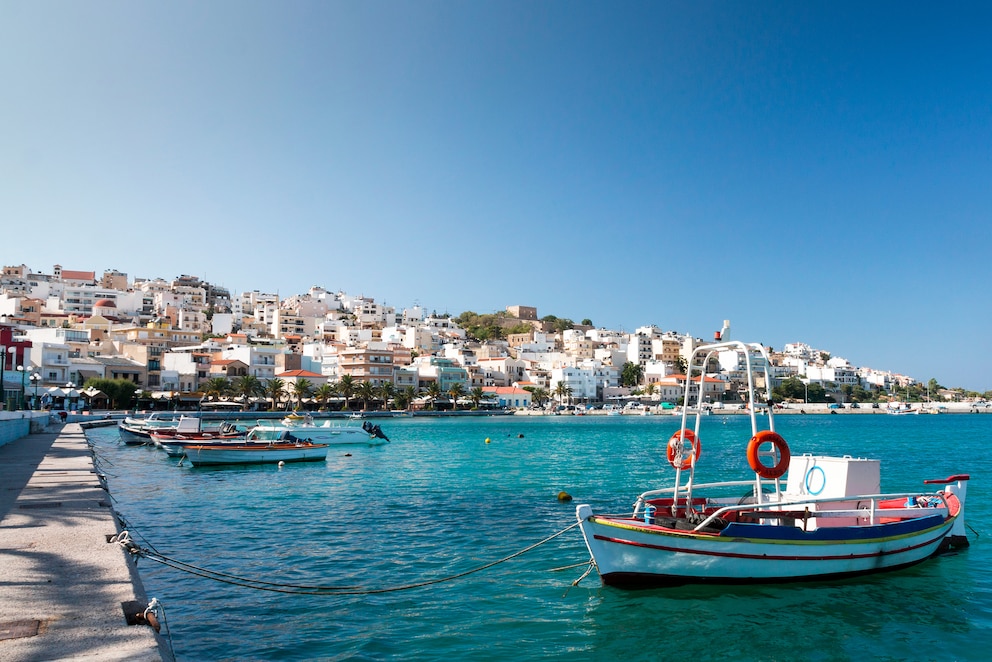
x=304, y=428
x=253, y=453
x=828, y=519
x=189, y=433
x=136, y=430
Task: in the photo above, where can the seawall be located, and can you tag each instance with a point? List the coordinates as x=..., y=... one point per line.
x=65, y=591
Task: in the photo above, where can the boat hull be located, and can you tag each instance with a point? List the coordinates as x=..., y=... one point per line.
x=630, y=554
x=133, y=435
x=217, y=454
x=174, y=447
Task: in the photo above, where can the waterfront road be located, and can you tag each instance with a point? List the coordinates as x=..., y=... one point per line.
x=64, y=590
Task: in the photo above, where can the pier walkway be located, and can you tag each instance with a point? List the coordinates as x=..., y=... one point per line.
x=63, y=587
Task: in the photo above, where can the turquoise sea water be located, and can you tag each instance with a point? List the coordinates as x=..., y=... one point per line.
x=439, y=501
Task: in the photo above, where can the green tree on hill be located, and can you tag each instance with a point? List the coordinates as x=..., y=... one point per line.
x=631, y=374
x=559, y=324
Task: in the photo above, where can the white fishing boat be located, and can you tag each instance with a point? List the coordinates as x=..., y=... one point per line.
x=252, y=453
x=304, y=427
x=135, y=430
x=901, y=409
x=828, y=519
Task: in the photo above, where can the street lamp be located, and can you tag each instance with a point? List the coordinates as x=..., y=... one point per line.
x=3, y=370
x=35, y=378
x=21, y=369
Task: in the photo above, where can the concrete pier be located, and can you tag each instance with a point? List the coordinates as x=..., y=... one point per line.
x=64, y=590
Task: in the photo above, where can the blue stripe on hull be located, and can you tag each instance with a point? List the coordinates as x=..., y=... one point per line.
x=832, y=533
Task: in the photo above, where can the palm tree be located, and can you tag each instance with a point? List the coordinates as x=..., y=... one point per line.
x=346, y=387
x=274, y=391
x=562, y=391
x=476, y=395
x=387, y=392
x=215, y=387
x=433, y=392
x=541, y=395
x=323, y=393
x=456, y=391
x=300, y=389
x=247, y=387
x=366, y=391
x=406, y=397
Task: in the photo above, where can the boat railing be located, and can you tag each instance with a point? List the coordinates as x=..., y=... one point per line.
x=685, y=489
x=787, y=509
x=869, y=511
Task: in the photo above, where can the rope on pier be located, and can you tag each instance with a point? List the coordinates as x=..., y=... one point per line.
x=124, y=539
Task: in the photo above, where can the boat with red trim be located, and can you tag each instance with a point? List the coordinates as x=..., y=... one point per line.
x=255, y=453
x=802, y=517
x=190, y=432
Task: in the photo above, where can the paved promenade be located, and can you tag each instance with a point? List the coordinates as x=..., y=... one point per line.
x=62, y=586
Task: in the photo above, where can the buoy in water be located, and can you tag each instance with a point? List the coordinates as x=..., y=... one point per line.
x=564, y=496
x=487, y=440
x=281, y=463
x=520, y=436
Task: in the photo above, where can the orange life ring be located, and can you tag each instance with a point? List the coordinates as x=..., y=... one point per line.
x=764, y=437
x=687, y=459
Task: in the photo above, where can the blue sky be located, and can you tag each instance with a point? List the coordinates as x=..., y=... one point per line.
x=814, y=172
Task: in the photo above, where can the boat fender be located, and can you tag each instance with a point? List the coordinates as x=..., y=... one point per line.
x=676, y=447
x=784, y=456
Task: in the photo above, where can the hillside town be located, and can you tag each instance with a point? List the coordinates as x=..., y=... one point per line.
x=186, y=343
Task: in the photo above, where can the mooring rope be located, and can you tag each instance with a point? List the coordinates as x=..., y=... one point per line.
x=124, y=539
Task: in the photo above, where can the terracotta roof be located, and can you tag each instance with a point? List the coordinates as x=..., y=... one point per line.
x=78, y=275
x=299, y=373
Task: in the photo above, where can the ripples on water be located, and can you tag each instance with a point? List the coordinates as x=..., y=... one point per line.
x=438, y=501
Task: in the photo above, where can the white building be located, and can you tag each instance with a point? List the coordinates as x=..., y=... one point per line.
x=580, y=381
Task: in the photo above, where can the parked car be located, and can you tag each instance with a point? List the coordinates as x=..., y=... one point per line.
x=835, y=405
